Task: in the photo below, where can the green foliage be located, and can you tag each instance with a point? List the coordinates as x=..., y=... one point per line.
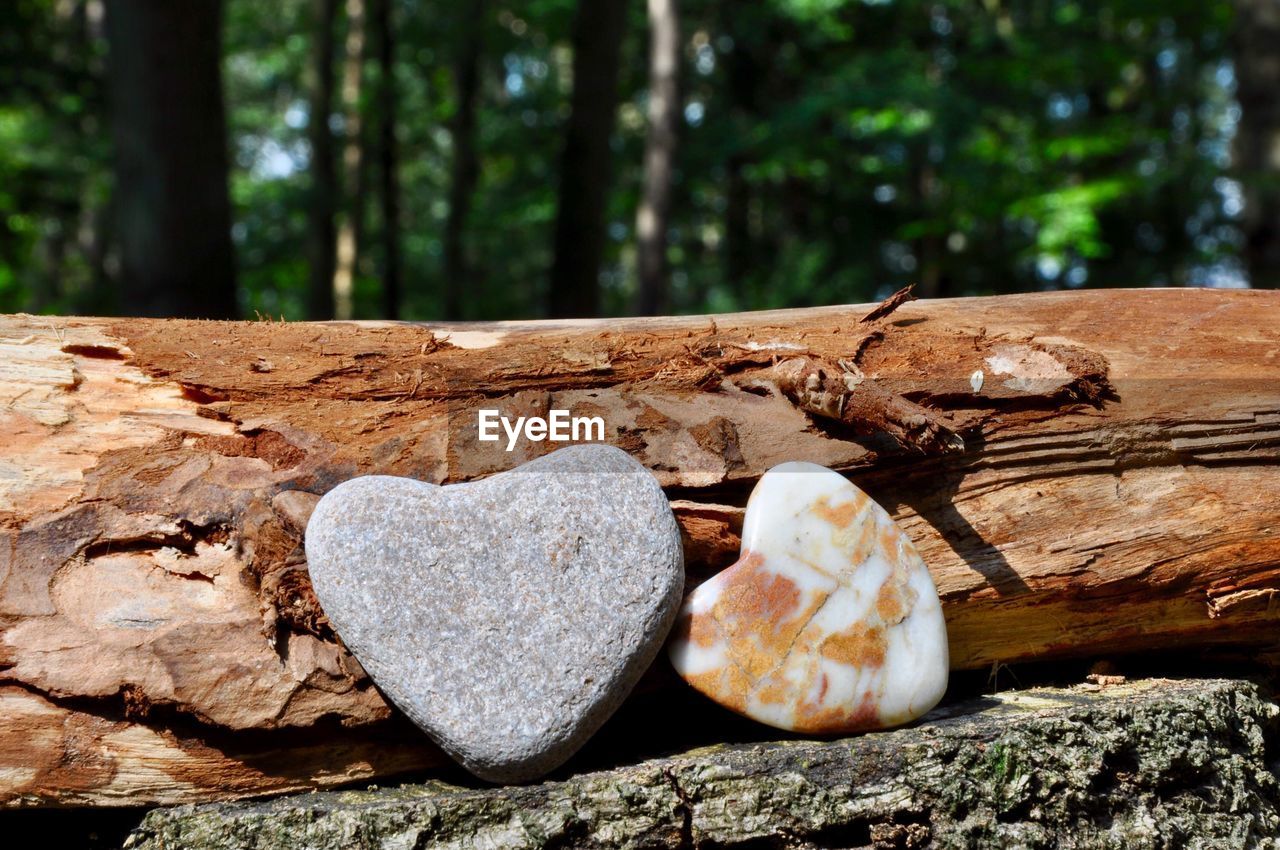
x=832, y=150
x=54, y=164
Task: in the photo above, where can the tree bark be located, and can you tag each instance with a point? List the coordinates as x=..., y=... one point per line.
x=173, y=213
x=746, y=68
x=585, y=166
x=324, y=179
x=652, y=217
x=1111, y=489
x=351, y=226
x=1257, y=144
x=466, y=163
x=1157, y=763
x=390, y=154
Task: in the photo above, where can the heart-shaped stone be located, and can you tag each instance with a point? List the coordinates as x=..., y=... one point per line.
x=829, y=621
x=507, y=617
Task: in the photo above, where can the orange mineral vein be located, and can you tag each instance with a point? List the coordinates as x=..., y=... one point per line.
x=828, y=623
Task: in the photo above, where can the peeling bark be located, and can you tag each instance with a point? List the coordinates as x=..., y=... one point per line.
x=893, y=302
x=1116, y=493
x=843, y=393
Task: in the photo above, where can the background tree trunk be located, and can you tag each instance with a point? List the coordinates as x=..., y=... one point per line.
x=659, y=157
x=351, y=226
x=466, y=165
x=929, y=246
x=745, y=70
x=173, y=213
x=159, y=641
x=585, y=166
x=1257, y=145
x=324, y=180
x=94, y=235
x=389, y=152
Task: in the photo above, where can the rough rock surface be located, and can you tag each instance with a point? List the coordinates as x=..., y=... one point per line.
x=507, y=617
x=1151, y=764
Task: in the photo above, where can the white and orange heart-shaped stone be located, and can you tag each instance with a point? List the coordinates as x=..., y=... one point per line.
x=829, y=621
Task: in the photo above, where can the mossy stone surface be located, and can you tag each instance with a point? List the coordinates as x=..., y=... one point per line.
x=1150, y=764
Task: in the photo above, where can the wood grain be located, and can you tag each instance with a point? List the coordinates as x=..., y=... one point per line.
x=1117, y=491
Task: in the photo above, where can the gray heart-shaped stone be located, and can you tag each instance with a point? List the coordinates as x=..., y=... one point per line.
x=507, y=617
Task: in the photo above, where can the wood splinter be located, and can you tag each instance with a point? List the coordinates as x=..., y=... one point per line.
x=893, y=302
x=843, y=393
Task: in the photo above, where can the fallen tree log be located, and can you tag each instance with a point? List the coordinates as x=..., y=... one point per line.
x=1085, y=473
x=1152, y=764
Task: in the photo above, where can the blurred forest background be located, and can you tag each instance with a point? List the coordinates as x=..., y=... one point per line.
x=479, y=160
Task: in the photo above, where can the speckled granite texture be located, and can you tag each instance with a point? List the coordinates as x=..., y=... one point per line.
x=507, y=617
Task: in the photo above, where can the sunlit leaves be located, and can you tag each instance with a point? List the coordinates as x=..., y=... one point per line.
x=831, y=150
